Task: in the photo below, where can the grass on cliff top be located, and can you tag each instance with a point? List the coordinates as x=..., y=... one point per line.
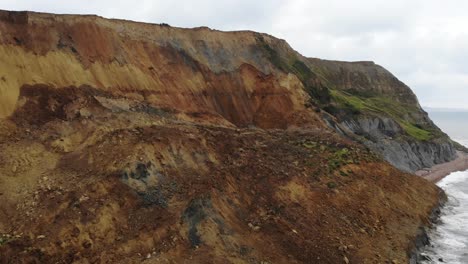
x=387, y=106
x=353, y=104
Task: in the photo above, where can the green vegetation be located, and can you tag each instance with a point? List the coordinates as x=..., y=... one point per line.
x=3, y=240
x=273, y=56
x=332, y=185
x=309, y=144
x=340, y=158
x=352, y=104
x=415, y=131
x=343, y=173
x=301, y=70
x=292, y=64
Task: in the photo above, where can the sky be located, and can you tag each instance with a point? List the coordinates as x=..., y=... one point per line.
x=424, y=43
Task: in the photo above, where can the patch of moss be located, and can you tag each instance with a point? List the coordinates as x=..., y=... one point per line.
x=332, y=185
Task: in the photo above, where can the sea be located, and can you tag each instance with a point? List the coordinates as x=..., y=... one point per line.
x=449, y=237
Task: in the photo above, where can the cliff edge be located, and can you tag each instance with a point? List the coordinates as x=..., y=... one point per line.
x=126, y=142
x=383, y=113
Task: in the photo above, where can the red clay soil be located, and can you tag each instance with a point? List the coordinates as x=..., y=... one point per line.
x=89, y=177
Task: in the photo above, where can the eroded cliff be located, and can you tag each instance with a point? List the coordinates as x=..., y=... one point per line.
x=383, y=113
x=194, y=72
x=126, y=142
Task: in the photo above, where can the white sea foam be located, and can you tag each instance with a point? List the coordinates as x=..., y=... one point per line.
x=450, y=238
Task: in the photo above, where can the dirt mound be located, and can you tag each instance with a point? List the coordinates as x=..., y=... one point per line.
x=90, y=177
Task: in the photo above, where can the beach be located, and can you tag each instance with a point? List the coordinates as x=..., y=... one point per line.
x=439, y=171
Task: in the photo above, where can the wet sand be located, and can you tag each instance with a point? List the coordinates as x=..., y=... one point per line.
x=438, y=172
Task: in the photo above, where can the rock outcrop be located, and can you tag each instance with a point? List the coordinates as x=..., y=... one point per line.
x=125, y=142
x=381, y=135
x=384, y=114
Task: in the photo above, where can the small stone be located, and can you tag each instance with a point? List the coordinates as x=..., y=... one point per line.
x=343, y=248
x=253, y=227
x=86, y=244
x=84, y=198
x=148, y=256
x=425, y=257
x=14, y=168
x=41, y=237
x=346, y=260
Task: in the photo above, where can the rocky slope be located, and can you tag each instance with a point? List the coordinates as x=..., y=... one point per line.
x=384, y=114
x=126, y=142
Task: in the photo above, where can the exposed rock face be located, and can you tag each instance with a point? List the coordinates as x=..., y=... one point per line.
x=200, y=71
x=385, y=115
x=124, y=142
x=381, y=135
x=364, y=77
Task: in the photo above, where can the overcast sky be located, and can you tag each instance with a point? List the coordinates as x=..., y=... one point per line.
x=423, y=42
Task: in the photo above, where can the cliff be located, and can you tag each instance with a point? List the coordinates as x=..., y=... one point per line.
x=199, y=71
x=127, y=142
x=384, y=114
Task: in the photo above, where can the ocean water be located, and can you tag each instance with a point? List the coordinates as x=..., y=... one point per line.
x=454, y=123
x=449, y=238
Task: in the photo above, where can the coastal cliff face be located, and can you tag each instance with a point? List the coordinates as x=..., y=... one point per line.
x=406, y=154
x=226, y=77
x=241, y=78
x=384, y=114
x=126, y=142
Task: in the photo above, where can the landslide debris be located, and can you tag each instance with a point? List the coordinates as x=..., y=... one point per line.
x=123, y=185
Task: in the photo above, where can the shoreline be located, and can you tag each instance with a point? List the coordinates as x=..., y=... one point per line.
x=435, y=174
x=440, y=171
x=422, y=238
